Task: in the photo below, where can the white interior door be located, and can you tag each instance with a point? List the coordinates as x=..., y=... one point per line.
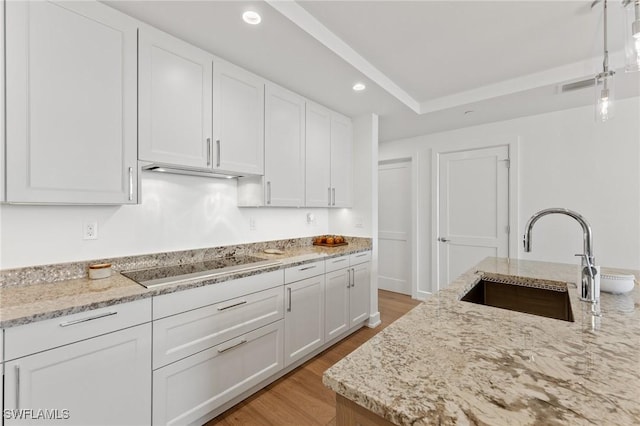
x=473, y=209
x=394, y=227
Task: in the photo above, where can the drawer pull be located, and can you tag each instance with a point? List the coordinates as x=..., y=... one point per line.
x=232, y=306
x=242, y=342
x=81, y=320
x=361, y=254
x=307, y=268
x=17, y=370
x=339, y=260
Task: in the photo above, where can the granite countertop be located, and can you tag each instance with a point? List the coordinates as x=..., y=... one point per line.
x=453, y=362
x=23, y=304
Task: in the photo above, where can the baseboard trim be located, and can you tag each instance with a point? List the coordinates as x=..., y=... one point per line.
x=374, y=320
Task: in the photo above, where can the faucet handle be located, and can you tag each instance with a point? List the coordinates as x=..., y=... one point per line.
x=588, y=260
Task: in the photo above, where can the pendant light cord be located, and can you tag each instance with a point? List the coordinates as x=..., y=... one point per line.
x=605, y=62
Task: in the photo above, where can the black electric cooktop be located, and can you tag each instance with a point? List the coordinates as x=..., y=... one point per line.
x=196, y=271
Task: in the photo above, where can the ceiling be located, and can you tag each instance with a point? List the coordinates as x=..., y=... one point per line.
x=425, y=63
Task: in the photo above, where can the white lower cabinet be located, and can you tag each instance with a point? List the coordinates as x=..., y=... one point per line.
x=178, y=336
x=304, y=317
x=104, y=380
x=347, y=293
x=337, y=303
x=191, y=388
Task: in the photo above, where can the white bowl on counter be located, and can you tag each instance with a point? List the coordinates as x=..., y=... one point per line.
x=616, y=284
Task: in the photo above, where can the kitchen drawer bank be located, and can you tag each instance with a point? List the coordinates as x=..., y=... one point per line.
x=205, y=342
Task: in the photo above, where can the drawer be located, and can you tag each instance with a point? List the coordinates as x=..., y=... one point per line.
x=336, y=263
x=187, y=390
x=39, y=336
x=179, y=336
x=181, y=301
x=362, y=257
x=301, y=272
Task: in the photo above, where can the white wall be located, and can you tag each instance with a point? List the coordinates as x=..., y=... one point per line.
x=566, y=160
x=362, y=219
x=177, y=213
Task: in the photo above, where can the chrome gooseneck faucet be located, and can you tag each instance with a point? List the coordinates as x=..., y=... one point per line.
x=589, y=292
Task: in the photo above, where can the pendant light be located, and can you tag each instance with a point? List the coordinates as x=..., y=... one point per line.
x=604, y=82
x=632, y=34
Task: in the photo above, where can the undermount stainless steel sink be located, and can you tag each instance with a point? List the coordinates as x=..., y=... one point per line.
x=525, y=295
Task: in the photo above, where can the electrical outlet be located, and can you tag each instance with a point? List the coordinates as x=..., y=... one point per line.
x=90, y=231
x=252, y=224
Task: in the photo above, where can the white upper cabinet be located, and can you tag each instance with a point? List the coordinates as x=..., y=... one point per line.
x=175, y=101
x=341, y=164
x=328, y=158
x=238, y=120
x=70, y=104
x=284, y=147
x=318, y=156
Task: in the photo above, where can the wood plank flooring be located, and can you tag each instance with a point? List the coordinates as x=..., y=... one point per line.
x=300, y=398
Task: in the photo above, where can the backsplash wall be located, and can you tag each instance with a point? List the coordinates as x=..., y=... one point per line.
x=177, y=213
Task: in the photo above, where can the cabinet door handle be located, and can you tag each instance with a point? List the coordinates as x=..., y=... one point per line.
x=268, y=192
x=17, y=370
x=289, y=307
x=242, y=302
x=218, y=153
x=130, y=183
x=333, y=192
x=353, y=277
x=242, y=342
x=307, y=268
x=329, y=191
x=348, y=278
x=208, y=151
x=81, y=320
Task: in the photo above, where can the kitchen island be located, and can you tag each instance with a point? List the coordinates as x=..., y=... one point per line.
x=453, y=362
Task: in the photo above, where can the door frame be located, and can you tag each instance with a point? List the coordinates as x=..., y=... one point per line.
x=413, y=164
x=512, y=143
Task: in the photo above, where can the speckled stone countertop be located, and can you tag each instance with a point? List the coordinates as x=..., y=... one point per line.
x=451, y=362
x=23, y=304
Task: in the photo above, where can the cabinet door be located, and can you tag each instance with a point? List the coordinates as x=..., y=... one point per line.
x=284, y=147
x=187, y=390
x=303, y=318
x=336, y=312
x=318, y=156
x=175, y=101
x=105, y=380
x=71, y=103
x=341, y=160
x=238, y=120
x=359, y=294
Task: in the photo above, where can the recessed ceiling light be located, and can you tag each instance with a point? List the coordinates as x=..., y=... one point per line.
x=359, y=87
x=251, y=17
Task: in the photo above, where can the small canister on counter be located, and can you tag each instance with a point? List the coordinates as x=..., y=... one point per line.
x=99, y=270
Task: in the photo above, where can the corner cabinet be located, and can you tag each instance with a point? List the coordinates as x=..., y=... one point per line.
x=175, y=101
x=284, y=148
x=70, y=104
x=329, y=147
x=238, y=120
x=347, y=293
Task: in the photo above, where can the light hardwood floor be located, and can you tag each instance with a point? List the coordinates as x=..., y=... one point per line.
x=300, y=398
